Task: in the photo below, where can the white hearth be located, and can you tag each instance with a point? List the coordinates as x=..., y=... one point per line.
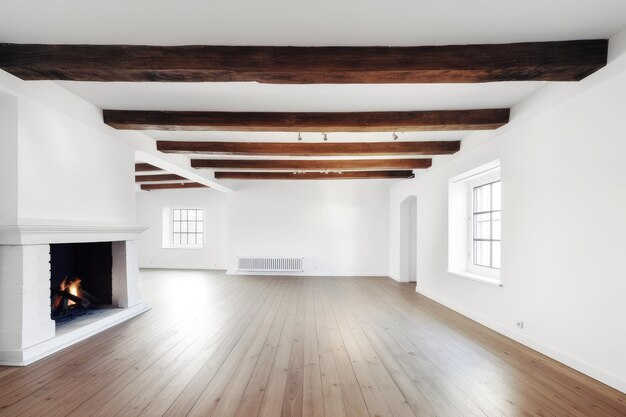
x=27, y=332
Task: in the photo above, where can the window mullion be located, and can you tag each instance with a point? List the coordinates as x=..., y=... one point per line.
x=490, y=225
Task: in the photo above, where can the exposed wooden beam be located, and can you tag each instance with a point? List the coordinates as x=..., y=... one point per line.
x=308, y=122
x=348, y=175
x=143, y=167
x=160, y=177
x=544, y=61
x=313, y=164
x=311, y=149
x=174, y=185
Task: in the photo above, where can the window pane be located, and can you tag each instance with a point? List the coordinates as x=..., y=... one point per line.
x=496, y=198
x=187, y=227
x=482, y=198
x=495, y=225
x=482, y=253
x=496, y=255
x=482, y=223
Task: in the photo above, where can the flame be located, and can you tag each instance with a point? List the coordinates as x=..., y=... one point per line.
x=73, y=287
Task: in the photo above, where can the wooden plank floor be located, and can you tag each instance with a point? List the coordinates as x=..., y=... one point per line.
x=217, y=345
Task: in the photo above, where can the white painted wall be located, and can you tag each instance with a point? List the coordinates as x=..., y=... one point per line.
x=69, y=171
x=339, y=227
x=71, y=167
x=8, y=158
x=150, y=213
x=564, y=230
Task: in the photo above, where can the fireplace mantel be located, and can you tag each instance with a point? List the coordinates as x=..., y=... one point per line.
x=42, y=232
x=27, y=332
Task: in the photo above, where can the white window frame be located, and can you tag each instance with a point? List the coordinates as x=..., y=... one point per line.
x=461, y=224
x=168, y=228
x=472, y=267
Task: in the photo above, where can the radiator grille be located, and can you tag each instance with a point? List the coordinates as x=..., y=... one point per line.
x=269, y=264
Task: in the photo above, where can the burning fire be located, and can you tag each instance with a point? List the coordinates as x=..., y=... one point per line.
x=71, y=286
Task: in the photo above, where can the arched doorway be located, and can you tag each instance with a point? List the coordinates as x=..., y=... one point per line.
x=408, y=239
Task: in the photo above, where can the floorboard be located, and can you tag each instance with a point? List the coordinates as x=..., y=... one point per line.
x=218, y=345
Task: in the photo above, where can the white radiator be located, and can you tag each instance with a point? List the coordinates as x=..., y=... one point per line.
x=251, y=264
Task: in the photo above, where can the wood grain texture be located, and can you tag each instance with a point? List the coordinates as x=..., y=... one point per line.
x=298, y=346
x=172, y=186
x=143, y=167
x=159, y=177
x=311, y=149
x=538, y=61
x=440, y=120
x=313, y=164
x=333, y=175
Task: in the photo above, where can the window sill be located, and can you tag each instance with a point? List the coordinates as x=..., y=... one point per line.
x=476, y=277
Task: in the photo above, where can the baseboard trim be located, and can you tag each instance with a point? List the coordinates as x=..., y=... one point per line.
x=304, y=274
x=598, y=374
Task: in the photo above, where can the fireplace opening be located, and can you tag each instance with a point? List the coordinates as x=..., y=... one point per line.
x=80, y=279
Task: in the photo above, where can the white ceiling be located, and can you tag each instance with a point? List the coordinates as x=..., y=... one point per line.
x=315, y=98
x=307, y=22
x=312, y=98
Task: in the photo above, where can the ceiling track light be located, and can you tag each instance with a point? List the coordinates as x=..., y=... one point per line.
x=324, y=136
x=299, y=136
x=394, y=136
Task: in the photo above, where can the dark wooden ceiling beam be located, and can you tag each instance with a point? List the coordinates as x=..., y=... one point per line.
x=311, y=149
x=160, y=177
x=143, y=167
x=308, y=122
x=543, y=61
x=176, y=185
x=333, y=175
x=313, y=164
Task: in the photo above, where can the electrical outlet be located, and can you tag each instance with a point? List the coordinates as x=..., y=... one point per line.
x=519, y=324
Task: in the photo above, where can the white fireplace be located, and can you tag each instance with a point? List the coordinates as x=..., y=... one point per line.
x=27, y=331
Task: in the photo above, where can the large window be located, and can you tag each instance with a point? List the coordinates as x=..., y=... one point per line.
x=187, y=228
x=486, y=225
x=474, y=224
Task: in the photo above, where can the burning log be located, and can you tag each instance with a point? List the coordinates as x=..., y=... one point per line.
x=79, y=301
x=70, y=299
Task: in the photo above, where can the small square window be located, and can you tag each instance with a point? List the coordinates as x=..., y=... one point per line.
x=187, y=228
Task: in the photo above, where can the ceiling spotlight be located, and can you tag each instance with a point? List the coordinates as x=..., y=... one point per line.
x=325, y=136
x=394, y=136
x=299, y=136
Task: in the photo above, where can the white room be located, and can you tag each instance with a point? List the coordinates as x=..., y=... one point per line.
x=349, y=209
